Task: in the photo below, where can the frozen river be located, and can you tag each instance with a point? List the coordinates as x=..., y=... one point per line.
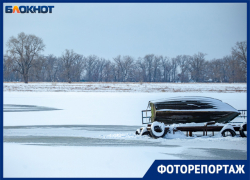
x=123, y=136
x=78, y=150
x=72, y=134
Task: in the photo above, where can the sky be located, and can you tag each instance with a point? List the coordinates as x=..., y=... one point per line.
x=136, y=29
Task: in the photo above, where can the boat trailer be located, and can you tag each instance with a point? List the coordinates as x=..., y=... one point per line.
x=159, y=129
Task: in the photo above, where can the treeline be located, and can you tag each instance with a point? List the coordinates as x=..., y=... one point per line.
x=23, y=61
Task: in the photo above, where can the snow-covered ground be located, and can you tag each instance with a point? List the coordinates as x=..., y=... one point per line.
x=126, y=87
x=91, y=134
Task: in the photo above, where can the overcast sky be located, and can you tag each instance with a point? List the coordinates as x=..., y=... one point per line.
x=135, y=29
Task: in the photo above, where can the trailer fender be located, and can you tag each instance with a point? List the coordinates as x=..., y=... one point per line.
x=228, y=130
x=144, y=131
x=157, y=129
x=243, y=128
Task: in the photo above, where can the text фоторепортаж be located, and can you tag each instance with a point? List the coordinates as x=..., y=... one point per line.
x=201, y=169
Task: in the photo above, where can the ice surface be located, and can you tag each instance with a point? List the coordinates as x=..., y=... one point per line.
x=65, y=161
x=79, y=151
x=93, y=108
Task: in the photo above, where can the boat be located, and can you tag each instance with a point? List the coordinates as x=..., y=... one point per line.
x=191, y=109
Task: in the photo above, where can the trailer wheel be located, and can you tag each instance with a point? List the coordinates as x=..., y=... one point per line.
x=157, y=129
x=228, y=132
x=243, y=130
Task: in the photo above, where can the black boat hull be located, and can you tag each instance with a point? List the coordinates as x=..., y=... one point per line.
x=191, y=109
x=175, y=117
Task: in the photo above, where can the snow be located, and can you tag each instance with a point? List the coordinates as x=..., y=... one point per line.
x=127, y=87
x=144, y=129
x=61, y=161
x=172, y=126
x=131, y=157
x=93, y=108
x=217, y=105
x=176, y=135
x=228, y=126
x=93, y=133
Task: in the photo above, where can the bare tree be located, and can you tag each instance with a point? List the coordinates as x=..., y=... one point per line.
x=24, y=50
x=52, y=68
x=183, y=62
x=166, y=65
x=108, y=71
x=223, y=70
x=38, y=70
x=197, y=64
x=119, y=68
x=156, y=68
x=213, y=71
x=239, y=52
x=174, y=65
x=72, y=63
x=90, y=66
x=9, y=74
x=148, y=60
x=23, y=61
x=124, y=67
x=141, y=67
x=235, y=72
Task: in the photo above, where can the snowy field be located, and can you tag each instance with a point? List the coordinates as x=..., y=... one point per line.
x=126, y=87
x=91, y=134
